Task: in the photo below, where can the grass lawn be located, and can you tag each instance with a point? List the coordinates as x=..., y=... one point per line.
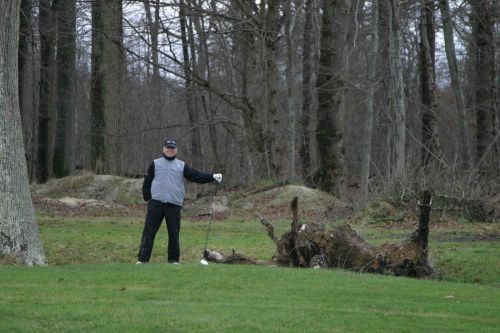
x=224, y=298
x=92, y=285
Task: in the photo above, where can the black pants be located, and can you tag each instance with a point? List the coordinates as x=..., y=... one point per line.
x=157, y=211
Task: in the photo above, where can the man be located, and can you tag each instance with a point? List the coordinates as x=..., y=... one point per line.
x=164, y=190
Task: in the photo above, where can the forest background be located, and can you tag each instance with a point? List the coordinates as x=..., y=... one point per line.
x=357, y=98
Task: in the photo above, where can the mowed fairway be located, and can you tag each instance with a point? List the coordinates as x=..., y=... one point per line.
x=224, y=298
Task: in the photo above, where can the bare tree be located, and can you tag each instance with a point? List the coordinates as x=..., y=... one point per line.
x=204, y=71
x=305, y=119
x=246, y=50
x=189, y=94
x=154, y=28
x=430, y=141
x=19, y=237
x=47, y=26
x=107, y=72
x=451, y=56
x=289, y=24
x=397, y=90
x=97, y=104
x=270, y=11
x=64, y=147
x=255, y=160
x=366, y=126
x=27, y=82
x=484, y=56
x=330, y=128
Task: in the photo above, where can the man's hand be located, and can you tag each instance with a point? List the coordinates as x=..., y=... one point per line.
x=218, y=177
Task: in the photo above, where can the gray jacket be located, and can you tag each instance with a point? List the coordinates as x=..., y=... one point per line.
x=164, y=181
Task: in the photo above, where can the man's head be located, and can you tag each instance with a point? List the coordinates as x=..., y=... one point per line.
x=170, y=148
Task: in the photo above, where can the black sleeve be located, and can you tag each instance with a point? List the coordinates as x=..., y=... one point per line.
x=148, y=179
x=196, y=176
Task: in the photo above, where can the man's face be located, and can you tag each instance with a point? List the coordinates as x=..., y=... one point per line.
x=169, y=151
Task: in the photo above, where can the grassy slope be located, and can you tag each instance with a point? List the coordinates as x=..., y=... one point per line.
x=222, y=298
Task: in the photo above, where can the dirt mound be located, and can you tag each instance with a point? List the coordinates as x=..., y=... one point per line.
x=120, y=190
x=275, y=202
x=201, y=208
x=78, y=202
x=86, y=207
x=88, y=191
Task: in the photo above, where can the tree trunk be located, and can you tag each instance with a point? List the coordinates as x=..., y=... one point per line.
x=107, y=71
x=253, y=132
x=451, y=56
x=47, y=29
x=154, y=27
x=96, y=96
x=113, y=61
x=290, y=86
x=19, y=237
x=482, y=31
x=397, y=91
x=27, y=83
x=198, y=157
x=329, y=131
x=155, y=83
x=305, y=120
x=189, y=93
x=367, y=119
x=430, y=145
x=382, y=143
x=64, y=148
x=204, y=71
x=496, y=115
x=497, y=95
x=273, y=139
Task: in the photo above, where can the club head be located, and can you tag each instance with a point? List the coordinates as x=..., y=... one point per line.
x=204, y=262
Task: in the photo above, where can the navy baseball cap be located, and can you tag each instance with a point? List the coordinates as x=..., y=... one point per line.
x=170, y=143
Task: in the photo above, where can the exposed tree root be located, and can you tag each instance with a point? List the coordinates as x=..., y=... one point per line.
x=311, y=245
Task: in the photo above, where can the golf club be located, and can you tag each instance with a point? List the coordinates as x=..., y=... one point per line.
x=203, y=261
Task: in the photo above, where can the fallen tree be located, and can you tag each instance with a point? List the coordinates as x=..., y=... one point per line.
x=233, y=258
x=311, y=245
